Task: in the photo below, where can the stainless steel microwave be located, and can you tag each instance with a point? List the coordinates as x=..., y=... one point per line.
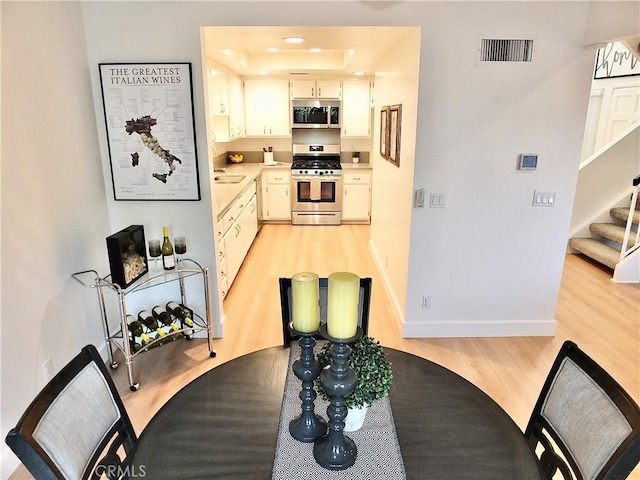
x=315, y=114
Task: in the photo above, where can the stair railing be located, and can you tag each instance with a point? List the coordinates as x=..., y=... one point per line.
x=626, y=250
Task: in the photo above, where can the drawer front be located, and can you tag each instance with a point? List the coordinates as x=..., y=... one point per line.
x=232, y=214
x=361, y=178
x=221, y=228
x=278, y=177
x=246, y=197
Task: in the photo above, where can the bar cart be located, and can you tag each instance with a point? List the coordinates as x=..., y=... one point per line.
x=120, y=338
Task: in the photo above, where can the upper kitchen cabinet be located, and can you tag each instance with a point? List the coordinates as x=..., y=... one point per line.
x=329, y=89
x=218, y=81
x=356, y=108
x=226, y=104
x=266, y=105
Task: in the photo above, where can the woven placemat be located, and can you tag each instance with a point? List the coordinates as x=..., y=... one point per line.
x=379, y=456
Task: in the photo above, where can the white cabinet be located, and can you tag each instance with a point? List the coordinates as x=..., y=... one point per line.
x=356, y=109
x=236, y=108
x=356, y=201
x=240, y=226
x=266, y=105
x=218, y=87
x=329, y=89
x=276, y=197
x=221, y=258
x=226, y=104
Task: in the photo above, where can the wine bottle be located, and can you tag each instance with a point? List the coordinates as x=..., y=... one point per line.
x=165, y=319
x=182, y=313
x=137, y=332
x=148, y=320
x=168, y=258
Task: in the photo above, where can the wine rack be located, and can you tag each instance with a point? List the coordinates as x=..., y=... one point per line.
x=120, y=336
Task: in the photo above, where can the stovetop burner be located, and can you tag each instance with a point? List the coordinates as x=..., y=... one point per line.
x=316, y=163
x=316, y=160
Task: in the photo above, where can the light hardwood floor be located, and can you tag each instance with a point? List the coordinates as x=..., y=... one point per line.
x=599, y=315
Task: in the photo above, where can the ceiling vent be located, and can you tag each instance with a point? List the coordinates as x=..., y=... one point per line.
x=504, y=51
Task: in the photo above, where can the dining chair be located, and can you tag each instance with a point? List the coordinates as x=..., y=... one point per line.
x=76, y=417
x=584, y=423
x=364, y=303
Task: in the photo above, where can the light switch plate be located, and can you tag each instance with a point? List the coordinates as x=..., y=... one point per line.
x=437, y=200
x=544, y=199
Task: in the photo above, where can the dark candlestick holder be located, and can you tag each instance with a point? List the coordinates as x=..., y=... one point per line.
x=334, y=450
x=307, y=427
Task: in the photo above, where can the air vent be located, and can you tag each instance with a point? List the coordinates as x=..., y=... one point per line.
x=493, y=51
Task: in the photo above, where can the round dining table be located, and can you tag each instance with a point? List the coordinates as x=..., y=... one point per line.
x=224, y=425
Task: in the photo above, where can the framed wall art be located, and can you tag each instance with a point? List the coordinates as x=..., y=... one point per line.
x=615, y=60
x=148, y=111
x=395, y=130
x=384, y=132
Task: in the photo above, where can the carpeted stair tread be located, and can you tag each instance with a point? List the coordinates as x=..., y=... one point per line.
x=622, y=213
x=613, y=232
x=597, y=250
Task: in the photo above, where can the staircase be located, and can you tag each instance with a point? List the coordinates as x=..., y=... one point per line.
x=611, y=242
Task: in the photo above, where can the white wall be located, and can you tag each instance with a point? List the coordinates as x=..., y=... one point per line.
x=54, y=215
x=396, y=83
x=487, y=257
x=491, y=262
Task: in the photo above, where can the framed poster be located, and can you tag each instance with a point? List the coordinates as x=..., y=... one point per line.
x=384, y=132
x=148, y=111
x=614, y=60
x=395, y=129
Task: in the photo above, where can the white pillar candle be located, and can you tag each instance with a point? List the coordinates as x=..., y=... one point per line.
x=342, y=306
x=306, y=306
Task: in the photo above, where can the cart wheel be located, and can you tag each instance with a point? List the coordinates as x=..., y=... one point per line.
x=113, y=365
x=134, y=387
x=212, y=354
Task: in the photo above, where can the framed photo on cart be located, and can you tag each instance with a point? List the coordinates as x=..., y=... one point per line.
x=148, y=112
x=395, y=130
x=384, y=132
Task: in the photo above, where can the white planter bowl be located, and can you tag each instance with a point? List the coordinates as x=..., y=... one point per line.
x=355, y=418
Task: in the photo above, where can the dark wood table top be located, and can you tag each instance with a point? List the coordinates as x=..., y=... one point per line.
x=224, y=424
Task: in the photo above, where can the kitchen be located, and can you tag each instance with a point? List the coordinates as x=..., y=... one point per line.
x=292, y=130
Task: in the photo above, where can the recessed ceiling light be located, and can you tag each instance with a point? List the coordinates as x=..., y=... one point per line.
x=359, y=73
x=263, y=72
x=293, y=39
x=272, y=49
x=315, y=50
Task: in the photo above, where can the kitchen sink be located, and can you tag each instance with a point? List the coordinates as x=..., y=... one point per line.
x=229, y=178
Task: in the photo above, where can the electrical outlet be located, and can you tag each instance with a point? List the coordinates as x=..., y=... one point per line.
x=47, y=369
x=426, y=302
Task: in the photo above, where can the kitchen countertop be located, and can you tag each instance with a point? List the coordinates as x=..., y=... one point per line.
x=356, y=166
x=227, y=193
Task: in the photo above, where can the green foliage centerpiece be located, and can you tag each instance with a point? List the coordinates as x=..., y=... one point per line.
x=372, y=367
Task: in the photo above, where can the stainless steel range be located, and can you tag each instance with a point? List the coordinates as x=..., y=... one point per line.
x=316, y=183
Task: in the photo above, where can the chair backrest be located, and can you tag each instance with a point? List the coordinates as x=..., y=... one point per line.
x=586, y=415
x=72, y=421
x=364, y=303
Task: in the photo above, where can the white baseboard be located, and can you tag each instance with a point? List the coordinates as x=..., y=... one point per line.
x=485, y=328
x=399, y=313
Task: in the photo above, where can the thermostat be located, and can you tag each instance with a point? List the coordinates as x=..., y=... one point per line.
x=527, y=161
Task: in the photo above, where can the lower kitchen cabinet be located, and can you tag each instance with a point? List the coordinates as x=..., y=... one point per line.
x=276, y=195
x=356, y=201
x=236, y=231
